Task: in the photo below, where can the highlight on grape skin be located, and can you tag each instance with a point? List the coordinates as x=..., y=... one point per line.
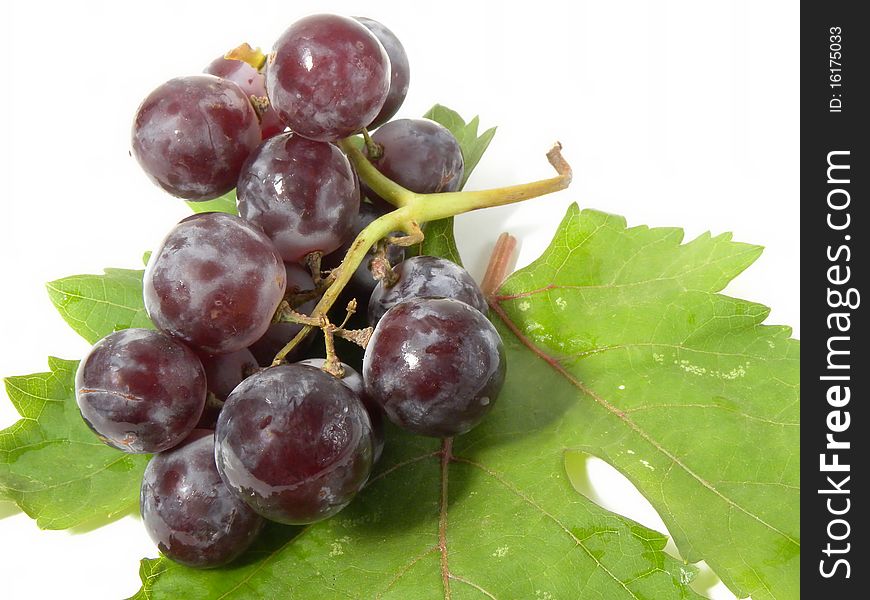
x=140, y=391
x=318, y=60
x=301, y=193
x=192, y=134
x=435, y=365
x=188, y=510
x=425, y=277
x=214, y=283
x=295, y=443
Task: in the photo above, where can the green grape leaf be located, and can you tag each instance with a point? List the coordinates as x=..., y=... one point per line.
x=618, y=345
x=439, y=240
x=680, y=388
x=52, y=465
x=96, y=305
x=225, y=204
x=513, y=528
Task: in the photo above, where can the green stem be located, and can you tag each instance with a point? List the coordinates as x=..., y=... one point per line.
x=431, y=207
x=374, y=150
x=279, y=358
x=377, y=181
x=368, y=237
x=414, y=209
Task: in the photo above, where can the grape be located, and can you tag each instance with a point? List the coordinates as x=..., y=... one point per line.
x=294, y=443
x=435, y=365
x=271, y=124
x=362, y=283
x=400, y=71
x=140, y=391
x=420, y=155
x=301, y=193
x=328, y=77
x=189, y=512
x=426, y=277
x=192, y=134
x=354, y=381
x=253, y=83
x=223, y=372
x=278, y=334
x=214, y=282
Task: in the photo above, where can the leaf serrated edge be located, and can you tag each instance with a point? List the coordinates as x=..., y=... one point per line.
x=780, y=333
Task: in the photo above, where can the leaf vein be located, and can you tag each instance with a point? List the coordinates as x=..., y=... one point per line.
x=497, y=477
x=621, y=415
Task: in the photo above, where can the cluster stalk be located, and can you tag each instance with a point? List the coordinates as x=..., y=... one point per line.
x=412, y=210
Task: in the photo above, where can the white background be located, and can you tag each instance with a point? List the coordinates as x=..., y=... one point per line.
x=672, y=113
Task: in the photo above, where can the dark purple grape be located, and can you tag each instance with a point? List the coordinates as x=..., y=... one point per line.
x=189, y=512
x=275, y=338
x=223, y=372
x=426, y=277
x=301, y=193
x=354, y=381
x=294, y=443
x=328, y=77
x=214, y=282
x=400, y=70
x=192, y=134
x=253, y=83
x=362, y=283
x=435, y=365
x=278, y=334
x=271, y=124
x=140, y=391
x=420, y=155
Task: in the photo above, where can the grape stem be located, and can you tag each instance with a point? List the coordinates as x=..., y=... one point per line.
x=375, y=150
x=381, y=268
x=412, y=209
x=244, y=53
x=286, y=314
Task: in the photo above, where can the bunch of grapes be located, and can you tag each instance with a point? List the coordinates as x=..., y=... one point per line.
x=239, y=436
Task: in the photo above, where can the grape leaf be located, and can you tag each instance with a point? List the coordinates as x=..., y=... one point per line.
x=495, y=514
x=52, y=466
x=225, y=204
x=681, y=389
x=510, y=532
x=439, y=240
x=96, y=305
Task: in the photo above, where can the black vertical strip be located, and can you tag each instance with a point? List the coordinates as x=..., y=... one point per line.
x=835, y=366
